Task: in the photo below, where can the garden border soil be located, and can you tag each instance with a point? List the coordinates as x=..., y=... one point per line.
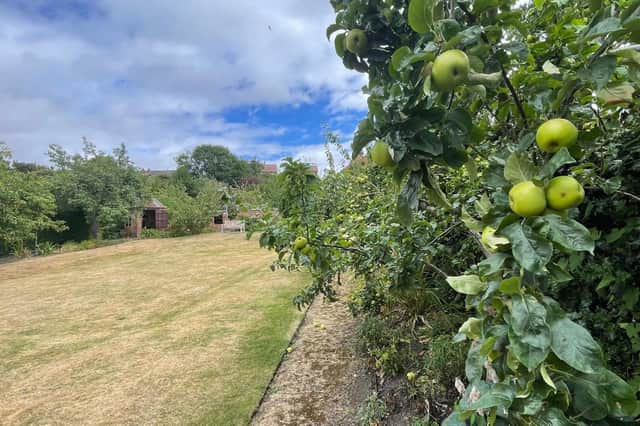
x=324, y=380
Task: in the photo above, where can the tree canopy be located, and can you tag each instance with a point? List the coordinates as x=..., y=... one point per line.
x=105, y=187
x=218, y=163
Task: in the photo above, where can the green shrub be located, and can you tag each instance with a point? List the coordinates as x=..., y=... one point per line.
x=154, y=233
x=46, y=248
x=373, y=411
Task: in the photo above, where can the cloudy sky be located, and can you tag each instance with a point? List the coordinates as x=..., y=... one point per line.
x=163, y=76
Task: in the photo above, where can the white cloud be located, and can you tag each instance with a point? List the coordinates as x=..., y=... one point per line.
x=159, y=75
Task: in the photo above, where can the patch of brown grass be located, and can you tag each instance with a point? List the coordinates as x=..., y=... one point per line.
x=151, y=331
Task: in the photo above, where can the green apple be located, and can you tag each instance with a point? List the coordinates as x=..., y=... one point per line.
x=411, y=376
x=356, y=42
x=300, y=243
x=289, y=349
x=554, y=134
x=380, y=154
x=306, y=249
x=490, y=240
x=527, y=199
x=450, y=69
x=564, y=192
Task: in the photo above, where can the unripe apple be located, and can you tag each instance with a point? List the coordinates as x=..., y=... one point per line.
x=527, y=199
x=450, y=69
x=564, y=192
x=380, y=154
x=555, y=134
x=411, y=376
x=306, y=249
x=289, y=349
x=300, y=243
x=356, y=41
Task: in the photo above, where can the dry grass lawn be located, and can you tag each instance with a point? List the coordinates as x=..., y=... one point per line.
x=174, y=331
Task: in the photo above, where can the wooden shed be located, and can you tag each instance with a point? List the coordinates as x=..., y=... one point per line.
x=155, y=216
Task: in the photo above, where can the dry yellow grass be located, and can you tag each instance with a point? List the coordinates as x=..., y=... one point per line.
x=168, y=331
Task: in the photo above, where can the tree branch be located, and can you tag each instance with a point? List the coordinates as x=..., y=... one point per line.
x=628, y=194
x=445, y=232
x=438, y=270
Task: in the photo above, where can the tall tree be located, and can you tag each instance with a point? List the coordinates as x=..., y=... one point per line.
x=27, y=206
x=106, y=188
x=216, y=162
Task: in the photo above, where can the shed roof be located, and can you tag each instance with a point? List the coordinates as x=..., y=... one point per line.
x=155, y=204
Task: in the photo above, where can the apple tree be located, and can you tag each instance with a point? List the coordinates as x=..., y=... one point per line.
x=516, y=94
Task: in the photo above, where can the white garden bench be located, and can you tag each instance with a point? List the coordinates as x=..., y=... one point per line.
x=233, y=225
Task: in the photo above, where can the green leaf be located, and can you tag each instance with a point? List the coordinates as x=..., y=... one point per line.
x=510, y=285
x=467, y=284
x=604, y=27
x=408, y=198
x=427, y=142
x=474, y=364
x=398, y=55
x=569, y=233
x=461, y=119
x=492, y=264
x=631, y=54
x=339, y=44
x=545, y=376
x=601, y=70
x=362, y=137
x=554, y=417
x=528, y=320
x=435, y=194
x=530, y=356
x=518, y=168
x=472, y=328
x=527, y=140
x=469, y=221
x=454, y=419
x=472, y=169
x=421, y=15
x=332, y=29
x=529, y=249
x=549, y=68
x=497, y=395
x=483, y=205
x=574, y=345
x=619, y=94
x=558, y=274
x=558, y=160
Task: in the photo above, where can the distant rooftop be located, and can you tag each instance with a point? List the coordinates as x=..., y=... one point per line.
x=150, y=172
x=271, y=169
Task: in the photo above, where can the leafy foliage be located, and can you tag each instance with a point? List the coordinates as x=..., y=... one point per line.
x=27, y=207
x=192, y=215
x=457, y=154
x=218, y=163
x=525, y=45
x=105, y=187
